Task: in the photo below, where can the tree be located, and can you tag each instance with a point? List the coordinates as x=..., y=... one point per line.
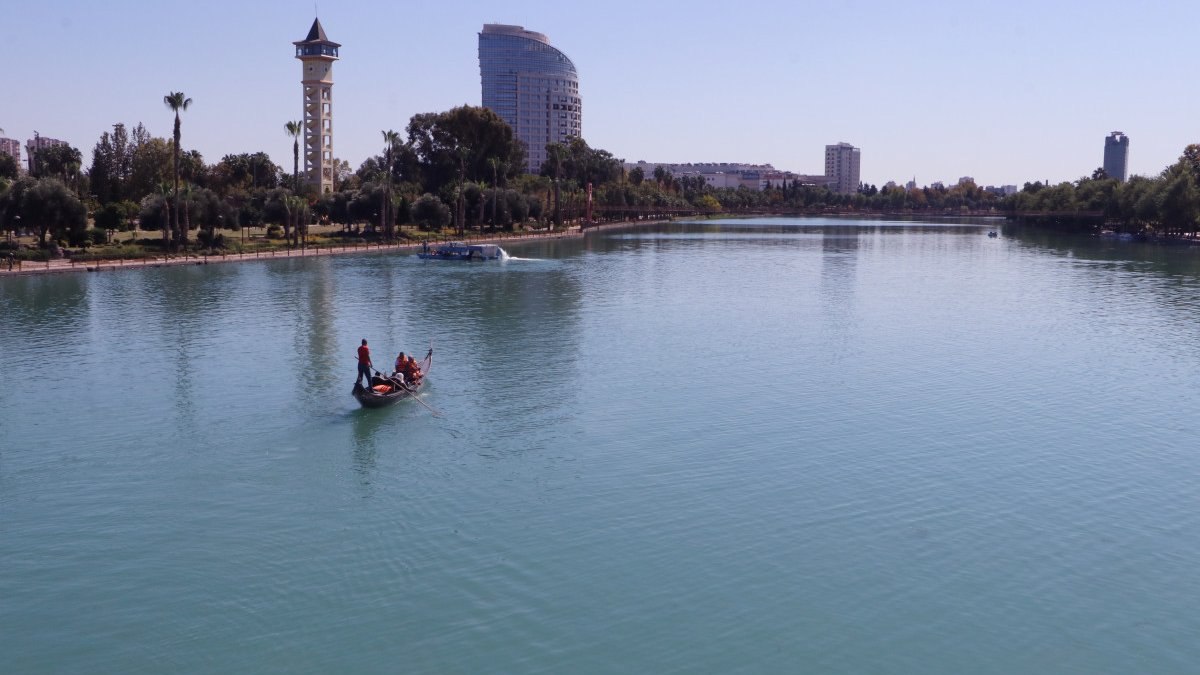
x=390, y=140
x=430, y=213
x=112, y=161
x=496, y=163
x=556, y=154
x=1180, y=208
x=177, y=101
x=60, y=161
x=460, y=141
x=244, y=172
x=294, y=129
x=8, y=166
x=47, y=206
x=150, y=167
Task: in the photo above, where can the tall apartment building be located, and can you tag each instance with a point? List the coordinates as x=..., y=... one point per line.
x=841, y=167
x=13, y=147
x=1116, y=156
x=532, y=86
x=317, y=54
x=38, y=142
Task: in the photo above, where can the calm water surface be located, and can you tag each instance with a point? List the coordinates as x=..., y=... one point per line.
x=759, y=446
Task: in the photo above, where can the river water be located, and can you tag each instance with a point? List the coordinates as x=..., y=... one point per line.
x=739, y=446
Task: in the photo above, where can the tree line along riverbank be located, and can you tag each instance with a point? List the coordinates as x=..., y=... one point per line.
x=463, y=171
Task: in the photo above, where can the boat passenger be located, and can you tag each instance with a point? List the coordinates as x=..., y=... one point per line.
x=399, y=366
x=412, y=372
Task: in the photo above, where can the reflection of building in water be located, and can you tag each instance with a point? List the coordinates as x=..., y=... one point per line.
x=317, y=339
x=839, y=263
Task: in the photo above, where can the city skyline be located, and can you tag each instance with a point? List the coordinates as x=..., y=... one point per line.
x=1005, y=96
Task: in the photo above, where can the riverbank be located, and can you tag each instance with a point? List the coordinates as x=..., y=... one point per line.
x=66, y=265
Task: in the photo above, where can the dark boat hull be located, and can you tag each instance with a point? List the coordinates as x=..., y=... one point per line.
x=372, y=399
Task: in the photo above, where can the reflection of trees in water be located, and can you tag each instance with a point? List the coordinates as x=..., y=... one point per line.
x=43, y=306
x=1167, y=274
x=189, y=297
x=43, y=321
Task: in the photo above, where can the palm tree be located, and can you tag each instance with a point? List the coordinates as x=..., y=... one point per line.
x=294, y=129
x=390, y=138
x=557, y=153
x=165, y=191
x=495, y=163
x=177, y=101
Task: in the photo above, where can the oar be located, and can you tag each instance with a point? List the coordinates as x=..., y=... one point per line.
x=417, y=398
x=414, y=396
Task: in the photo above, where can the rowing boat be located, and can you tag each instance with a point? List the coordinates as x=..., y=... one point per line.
x=369, y=398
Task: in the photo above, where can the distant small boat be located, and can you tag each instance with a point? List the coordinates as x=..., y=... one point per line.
x=369, y=398
x=457, y=250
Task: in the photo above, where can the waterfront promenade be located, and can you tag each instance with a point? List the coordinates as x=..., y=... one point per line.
x=64, y=265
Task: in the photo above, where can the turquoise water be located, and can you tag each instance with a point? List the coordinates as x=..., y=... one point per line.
x=739, y=446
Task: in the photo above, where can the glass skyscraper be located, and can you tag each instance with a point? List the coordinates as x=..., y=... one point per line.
x=532, y=86
x=1116, y=155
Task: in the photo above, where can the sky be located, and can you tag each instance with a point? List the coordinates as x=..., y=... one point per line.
x=1003, y=92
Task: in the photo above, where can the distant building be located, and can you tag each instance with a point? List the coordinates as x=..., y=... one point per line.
x=532, y=86
x=841, y=167
x=317, y=54
x=33, y=145
x=756, y=177
x=1116, y=155
x=13, y=147
x=966, y=179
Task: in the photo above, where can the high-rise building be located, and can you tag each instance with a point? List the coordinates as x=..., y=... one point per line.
x=1116, y=156
x=532, y=86
x=317, y=54
x=13, y=147
x=841, y=167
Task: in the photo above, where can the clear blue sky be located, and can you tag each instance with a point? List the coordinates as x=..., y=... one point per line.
x=1004, y=92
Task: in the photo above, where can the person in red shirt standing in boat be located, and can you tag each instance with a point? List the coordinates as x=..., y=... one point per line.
x=364, y=364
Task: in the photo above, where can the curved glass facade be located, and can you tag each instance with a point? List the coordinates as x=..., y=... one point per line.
x=532, y=86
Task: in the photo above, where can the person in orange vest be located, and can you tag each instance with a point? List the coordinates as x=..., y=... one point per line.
x=412, y=372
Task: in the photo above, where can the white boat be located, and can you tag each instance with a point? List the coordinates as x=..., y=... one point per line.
x=457, y=250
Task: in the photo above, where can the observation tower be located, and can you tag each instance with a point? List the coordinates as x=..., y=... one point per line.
x=317, y=54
